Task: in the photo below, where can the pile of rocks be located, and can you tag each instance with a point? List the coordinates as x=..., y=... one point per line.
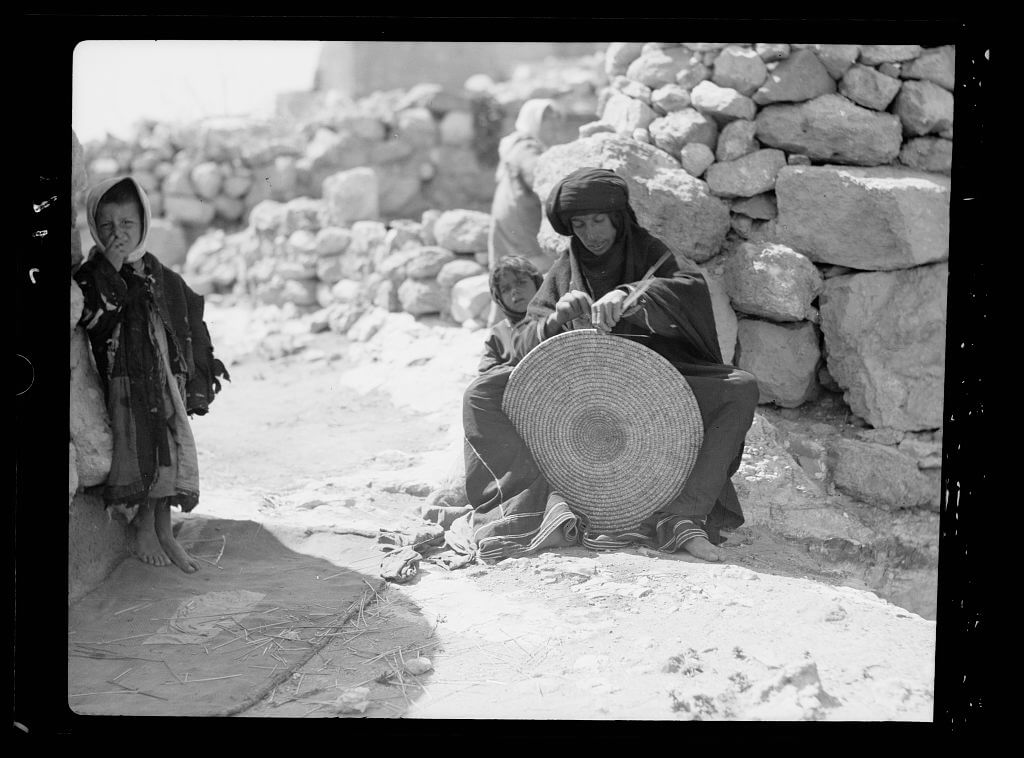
x=335, y=256
x=810, y=183
x=429, y=147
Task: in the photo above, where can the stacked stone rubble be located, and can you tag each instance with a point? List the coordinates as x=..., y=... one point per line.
x=428, y=147
x=810, y=183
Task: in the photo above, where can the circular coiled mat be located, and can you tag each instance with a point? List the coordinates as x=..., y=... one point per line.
x=614, y=427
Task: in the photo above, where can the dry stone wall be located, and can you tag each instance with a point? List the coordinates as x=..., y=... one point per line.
x=810, y=184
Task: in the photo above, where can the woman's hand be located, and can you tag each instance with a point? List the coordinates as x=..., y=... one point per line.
x=571, y=305
x=607, y=311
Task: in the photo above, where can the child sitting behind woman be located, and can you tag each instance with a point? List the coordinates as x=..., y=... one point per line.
x=514, y=282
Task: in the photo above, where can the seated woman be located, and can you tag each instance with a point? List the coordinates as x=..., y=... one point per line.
x=515, y=509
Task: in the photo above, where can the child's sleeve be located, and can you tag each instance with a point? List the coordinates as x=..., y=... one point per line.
x=104, y=292
x=204, y=385
x=492, y=354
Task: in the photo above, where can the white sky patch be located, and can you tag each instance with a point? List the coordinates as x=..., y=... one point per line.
x=115, y=83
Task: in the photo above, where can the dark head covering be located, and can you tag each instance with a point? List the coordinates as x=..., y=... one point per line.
x=520, y=265
x=598, y=190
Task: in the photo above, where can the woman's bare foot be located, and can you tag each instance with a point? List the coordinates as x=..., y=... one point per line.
x=174, y=551
x=699, y=547
x=142, y=539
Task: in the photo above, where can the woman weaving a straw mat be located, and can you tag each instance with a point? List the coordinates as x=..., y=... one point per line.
x=515, y=508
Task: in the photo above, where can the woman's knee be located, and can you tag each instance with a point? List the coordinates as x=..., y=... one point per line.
x=743, y=388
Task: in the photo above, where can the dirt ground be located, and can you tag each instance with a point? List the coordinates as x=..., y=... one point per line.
x=324, y=441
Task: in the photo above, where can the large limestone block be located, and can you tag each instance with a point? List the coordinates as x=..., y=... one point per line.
x=783, y=357
x=747, y=176
x=679, y=128
x=880, y=475
x=864, y=218
x=669, y=203
x=656, y=68
x=89, y=423
x=462, y=230
x=421, y=296
x=428, y=262
x=869, y=87
x=696, y=158
x=625, y=113
x=739, y=68
x=802, y=76
x=932, y=154
x=924, y=108
x=772, y=281
x=936, y=65
x=619, y=55
x=831, y=128
x=723, y=104
x=351, y=196
x=885, y=337
x=470, y=297
x=166, y=240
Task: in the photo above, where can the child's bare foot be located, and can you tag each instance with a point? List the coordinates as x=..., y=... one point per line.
x=699, y=547
x=174, y=551
x=142, y=539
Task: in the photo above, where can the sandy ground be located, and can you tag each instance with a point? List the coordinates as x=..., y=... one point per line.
x=324, y=441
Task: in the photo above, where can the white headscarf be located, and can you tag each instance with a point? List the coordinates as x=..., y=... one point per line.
x=531, y=114
x=92, y=202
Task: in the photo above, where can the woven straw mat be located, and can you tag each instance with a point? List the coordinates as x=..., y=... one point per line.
x=613, y=426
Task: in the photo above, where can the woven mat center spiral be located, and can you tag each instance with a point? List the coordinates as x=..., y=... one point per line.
x=614, y=427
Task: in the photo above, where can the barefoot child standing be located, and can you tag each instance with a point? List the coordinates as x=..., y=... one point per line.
x=154, y=354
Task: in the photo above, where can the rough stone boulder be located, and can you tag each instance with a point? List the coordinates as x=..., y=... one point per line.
x=772, y=281
x=832, y=128
x=470, y=298
x=167, y=242
x=266, y=217
x=428, y=262
x=777, y=493
x=304, y=213
x=935, y=65
x=872, y=55
x=669, y=98
x=783, y=357
x=659, y=67
x=747, y=176
x=463, y=231
x=89, y=424
x=885, y=335
x=330, y=269
x=625, y=114
x=739, y=68
x=416, y=127
x=802, y=76
x=736, y=140
x=458, y=269
x=669, y=203
x=420, y=297
x=761, y=206
x=723, y=104
x=880, y=475
x=332, y=240
x=932, y=154
x=207, y=179
x=869, y=87
x=696, y=158
x=393, y=266
x=864, y=218
x=619, y=55
x=189, y=210
x=351, y=196
x=836, y=58
x=229, y=208
x=680, y=128
x=456, y=128
x=924, y=108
